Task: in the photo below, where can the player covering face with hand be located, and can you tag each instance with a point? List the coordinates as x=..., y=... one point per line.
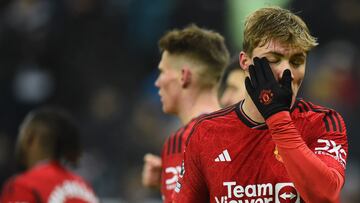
x=271, y=147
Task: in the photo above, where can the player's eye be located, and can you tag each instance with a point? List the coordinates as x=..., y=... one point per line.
x=298, y=62
x=273, y=59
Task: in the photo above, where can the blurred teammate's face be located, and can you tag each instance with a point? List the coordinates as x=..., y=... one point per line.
x=282, y=56
x=235, y=88
x=169, y=83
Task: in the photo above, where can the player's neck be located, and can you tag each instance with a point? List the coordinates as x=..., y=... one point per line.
x=251, y=111
x=203, y=103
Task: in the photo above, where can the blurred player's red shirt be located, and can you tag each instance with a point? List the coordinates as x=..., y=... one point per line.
x=47, y=182
x=230, y=158
x=172, y=157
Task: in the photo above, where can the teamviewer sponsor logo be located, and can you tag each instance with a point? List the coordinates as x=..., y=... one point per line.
x=259, y=193
x=286, y=193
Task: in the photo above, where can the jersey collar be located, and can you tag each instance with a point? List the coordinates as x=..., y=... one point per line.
x=253, y=124
x=246, y=120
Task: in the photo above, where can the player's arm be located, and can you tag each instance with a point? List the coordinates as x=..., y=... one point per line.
x=315, y=180
x=318, y=178
x=191, y=186
x=14, y=192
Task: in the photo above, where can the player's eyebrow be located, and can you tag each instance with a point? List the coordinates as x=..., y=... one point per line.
x=274, y=53
x=278, y=54
x=301, y=54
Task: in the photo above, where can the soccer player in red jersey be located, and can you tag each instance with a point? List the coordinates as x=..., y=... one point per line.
x=270, y=147
x=47, y=137
x=190, y=68
x=231, y=90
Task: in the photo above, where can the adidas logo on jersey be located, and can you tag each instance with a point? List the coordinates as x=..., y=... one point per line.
x=223, y=157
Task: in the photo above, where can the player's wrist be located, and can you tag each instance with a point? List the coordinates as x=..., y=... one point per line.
x=278, y=117
x=274, y=111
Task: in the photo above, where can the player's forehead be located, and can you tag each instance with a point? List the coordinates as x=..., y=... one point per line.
x=164, y=60
x=274, y=47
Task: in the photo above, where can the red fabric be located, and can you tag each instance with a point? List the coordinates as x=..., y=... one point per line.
x=13, y=192
x=255, y=171
x=172, y=157
x=302, y=165
x=47, y=182
x=193, y=187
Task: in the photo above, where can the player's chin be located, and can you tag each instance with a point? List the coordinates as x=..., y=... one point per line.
x=166, y=109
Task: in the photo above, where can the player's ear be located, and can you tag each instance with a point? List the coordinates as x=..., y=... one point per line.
x=185, y=77
x=244, y=60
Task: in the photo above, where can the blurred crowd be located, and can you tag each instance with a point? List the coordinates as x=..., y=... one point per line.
x=98, y=59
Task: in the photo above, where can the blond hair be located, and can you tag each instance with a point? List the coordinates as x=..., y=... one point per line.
x=275, y=23
x=200, y=45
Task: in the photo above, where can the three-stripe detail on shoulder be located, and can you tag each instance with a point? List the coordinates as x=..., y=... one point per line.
x=174, y=142
x=331, y=119
x=332, y=122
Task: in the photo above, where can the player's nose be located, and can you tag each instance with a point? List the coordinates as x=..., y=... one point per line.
x=279, y=71
x=157, y=83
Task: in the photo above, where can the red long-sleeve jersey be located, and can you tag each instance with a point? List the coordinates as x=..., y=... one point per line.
x=294, y=157
x=47, y=182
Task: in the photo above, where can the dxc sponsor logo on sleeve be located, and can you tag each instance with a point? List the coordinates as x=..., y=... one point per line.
x=329, y=147
x=171, y=177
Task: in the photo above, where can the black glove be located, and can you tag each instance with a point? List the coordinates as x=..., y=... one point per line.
x=268, y=95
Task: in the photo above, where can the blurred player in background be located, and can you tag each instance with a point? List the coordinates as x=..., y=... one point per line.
x=190, y=68
x=271, y=147
x=47, y=137
x=232, y=87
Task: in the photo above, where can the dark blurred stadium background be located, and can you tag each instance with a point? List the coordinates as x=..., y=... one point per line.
x=98, y=59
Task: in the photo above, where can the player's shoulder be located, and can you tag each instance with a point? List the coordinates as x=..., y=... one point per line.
x=47, y=171
x=17, y=181
x=219, y=117
x=318, y=115
x=15, y=186
x=31, y=176
x=216, y=120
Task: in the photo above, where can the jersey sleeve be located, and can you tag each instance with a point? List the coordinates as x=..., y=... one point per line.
x=331, y=145
x=302, y=164
x=15, y=192
x=191, y=186
x=166, y=194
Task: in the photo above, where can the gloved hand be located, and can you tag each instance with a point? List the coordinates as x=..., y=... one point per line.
x=269, y=96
